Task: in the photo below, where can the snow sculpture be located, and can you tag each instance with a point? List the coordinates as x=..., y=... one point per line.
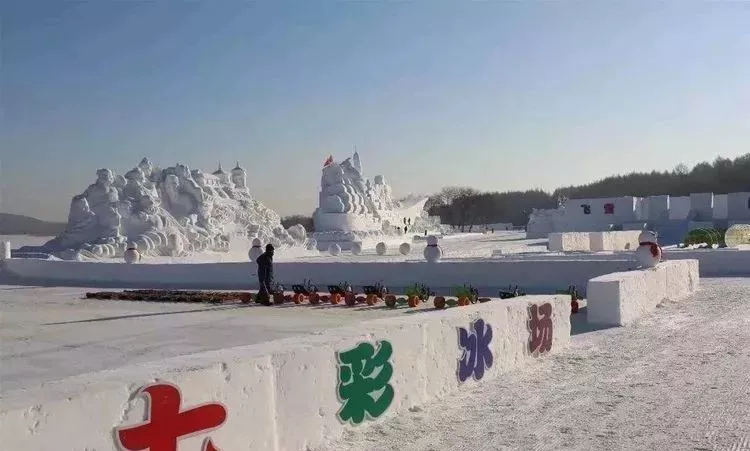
x=255, y=250
x=5, y=250
x=432, y=253
x=381, y=248
x=356, y=248
x=298, y=233
x=352, y=207
x=312, y=244
x=404, y=249
x=172, y=211
x=334, y=249
x=648, y=253
x=131, y=254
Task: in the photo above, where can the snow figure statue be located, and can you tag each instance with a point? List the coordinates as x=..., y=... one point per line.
x=648, y=253
x=432, y=252
x=172, y=211
x=353, y=208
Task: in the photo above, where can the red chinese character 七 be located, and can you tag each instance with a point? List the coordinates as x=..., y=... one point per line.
x=165, y=424
x=540, y=328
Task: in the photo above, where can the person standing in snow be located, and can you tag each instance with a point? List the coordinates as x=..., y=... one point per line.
x=265, y=275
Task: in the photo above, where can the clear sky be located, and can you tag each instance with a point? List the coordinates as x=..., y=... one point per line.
x=497, y=95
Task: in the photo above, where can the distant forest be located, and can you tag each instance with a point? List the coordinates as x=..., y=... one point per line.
x=465, y=207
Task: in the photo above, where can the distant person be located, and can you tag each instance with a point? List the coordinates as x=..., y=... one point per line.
x=265, y=275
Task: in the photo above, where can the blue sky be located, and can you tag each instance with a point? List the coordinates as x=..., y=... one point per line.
x=496, y=95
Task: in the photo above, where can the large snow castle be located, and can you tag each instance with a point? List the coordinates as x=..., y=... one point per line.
x=172, y=211
x=354, y=208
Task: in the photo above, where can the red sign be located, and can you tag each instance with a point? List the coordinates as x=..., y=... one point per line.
x=609, y=209
x=165, y=424
x=540, y=328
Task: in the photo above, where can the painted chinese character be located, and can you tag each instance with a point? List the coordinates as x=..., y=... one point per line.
x=609, y=209
x=540, y=328
x=586, y=209
x=165, y=424
x=476, y=356
x=364, y=376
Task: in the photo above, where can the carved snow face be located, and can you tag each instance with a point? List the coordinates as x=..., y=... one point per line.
x=172, y=185
x=135, y=175
x=238, y=178
x=145, y=166
x=146, y=203
x=333, y=175
x=104, y=177
x=199, y=178
x=182, y=171
x=80, y=205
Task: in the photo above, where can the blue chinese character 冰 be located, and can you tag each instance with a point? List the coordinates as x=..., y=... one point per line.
x=476, y=356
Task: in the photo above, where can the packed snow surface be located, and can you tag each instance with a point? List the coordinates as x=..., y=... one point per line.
x=679, y=379
x=52, y=333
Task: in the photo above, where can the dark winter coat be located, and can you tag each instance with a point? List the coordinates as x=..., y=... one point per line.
x=265, y=271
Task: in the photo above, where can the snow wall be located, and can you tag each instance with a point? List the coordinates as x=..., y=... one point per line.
x=289, y=394
x=621, y=298
x=535, y=276
x=593, y=241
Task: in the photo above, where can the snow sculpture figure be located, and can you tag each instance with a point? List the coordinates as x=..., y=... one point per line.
x=340, y=192
x=131, y=254
x=255, y=250
x=648, y=253
x=101, y=193
x=353, y=208
x=173, y=211
x=432, y=253
x=239, y=178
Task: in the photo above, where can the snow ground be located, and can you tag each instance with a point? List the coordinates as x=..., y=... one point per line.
x=679, y=379
x=51, y=333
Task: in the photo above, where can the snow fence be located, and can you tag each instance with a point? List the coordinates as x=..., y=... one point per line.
x=288, y=394
x=620, y=298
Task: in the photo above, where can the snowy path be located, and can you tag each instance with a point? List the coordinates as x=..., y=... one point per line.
x=677, y=380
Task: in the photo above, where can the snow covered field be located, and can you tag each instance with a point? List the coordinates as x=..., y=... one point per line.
x=679, y=379
x=676, y=379
x=51, y=333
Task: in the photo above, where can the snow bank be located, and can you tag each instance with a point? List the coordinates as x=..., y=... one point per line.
x=536, y=276
x=620, y=298
x=614, y=241
x=569, y=242
x=292, y=394
x=593, y=241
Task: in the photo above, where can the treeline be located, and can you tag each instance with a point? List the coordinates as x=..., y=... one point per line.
x=466, y=207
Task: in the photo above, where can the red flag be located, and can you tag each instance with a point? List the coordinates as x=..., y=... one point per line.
x=328, y=161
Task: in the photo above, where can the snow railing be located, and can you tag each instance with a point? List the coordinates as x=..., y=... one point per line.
x=288, y=394
x=619, y=298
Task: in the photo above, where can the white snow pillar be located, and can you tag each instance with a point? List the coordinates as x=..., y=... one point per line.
x=5, y=250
